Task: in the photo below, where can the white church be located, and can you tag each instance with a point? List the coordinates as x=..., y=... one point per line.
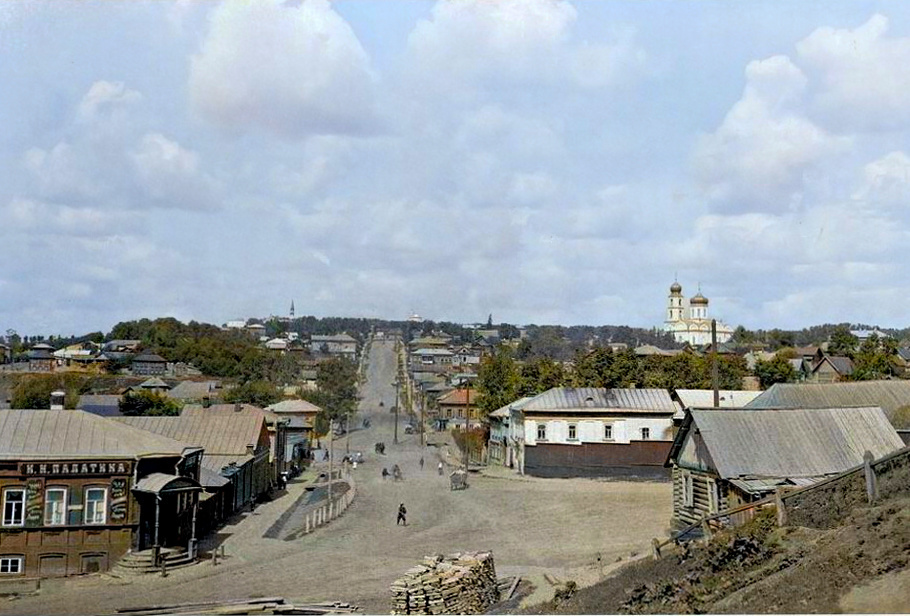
x=688, y=320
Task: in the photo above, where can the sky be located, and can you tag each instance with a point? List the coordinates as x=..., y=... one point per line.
x=546, y=161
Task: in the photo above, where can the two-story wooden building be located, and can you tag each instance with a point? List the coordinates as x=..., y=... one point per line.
x=78, y=491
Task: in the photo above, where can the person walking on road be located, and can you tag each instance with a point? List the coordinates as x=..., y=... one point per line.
x=439, y=468
x=402, y=513
x=421, y=463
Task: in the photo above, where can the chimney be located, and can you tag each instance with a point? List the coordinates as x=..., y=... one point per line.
x=206, y=402
x=251, y=449
x=57, y=400
x=238, y=407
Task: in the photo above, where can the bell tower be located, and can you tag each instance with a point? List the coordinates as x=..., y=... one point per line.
x=675, y=303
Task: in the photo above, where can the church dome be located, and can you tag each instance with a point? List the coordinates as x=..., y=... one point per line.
x=675, y=288
x=699, y=300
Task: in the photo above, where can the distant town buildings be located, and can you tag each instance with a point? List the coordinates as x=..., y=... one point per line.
x=688, y=320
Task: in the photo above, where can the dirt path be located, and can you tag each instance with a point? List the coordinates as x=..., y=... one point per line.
x=572, y=527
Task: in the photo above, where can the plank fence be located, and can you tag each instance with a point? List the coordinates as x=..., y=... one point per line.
x=821, y=505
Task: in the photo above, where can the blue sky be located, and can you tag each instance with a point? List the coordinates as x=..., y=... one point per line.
x=546, y=161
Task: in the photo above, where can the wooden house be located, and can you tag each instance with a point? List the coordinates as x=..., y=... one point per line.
x=724, y=458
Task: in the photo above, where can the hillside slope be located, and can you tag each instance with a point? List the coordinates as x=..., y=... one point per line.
x=760, y=568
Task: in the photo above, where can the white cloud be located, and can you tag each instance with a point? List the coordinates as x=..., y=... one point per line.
x=105, y=96
x=292, y=70
x=33, y=216
x=517, y=41
x=170, y=174
x=886, y=182
x=763, y=150
x=863, y=75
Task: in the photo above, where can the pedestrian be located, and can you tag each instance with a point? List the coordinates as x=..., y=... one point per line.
x=421, y=463
x=439, y=468
x=385, y=473
x=402, y=513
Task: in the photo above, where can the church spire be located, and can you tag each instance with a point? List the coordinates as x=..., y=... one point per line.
x=292, y=309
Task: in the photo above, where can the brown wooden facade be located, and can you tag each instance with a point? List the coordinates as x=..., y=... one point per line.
x=633, y=459
x=65, y=517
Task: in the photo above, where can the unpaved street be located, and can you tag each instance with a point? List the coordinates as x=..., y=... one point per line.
x=530, y=525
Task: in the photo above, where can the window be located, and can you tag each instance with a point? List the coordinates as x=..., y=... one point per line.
x=645, y=433
x=14, y=507
x=95, y=505
x=55, y=506
x=541, y=432
x=688, y=497
x=10, y=564
x=713, y=496
x=573, y=432
x=608, y=432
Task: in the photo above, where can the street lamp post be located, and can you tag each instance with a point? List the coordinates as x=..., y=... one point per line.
x=396, y=384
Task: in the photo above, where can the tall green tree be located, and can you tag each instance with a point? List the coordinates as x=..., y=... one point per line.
x=497, y=381
x=336, y=383
x=148, y=403
x=874, y=359
x=775, y=370
x=259, y=393
x=593, y=368
x=842, y=342
x=538, y=375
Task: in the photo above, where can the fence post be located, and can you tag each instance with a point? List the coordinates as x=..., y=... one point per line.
x=706, y=530
x=871, y=487
x=307, y=524
x=655, y=548
x=781, y=507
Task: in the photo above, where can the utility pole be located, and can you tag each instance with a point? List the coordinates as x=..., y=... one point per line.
x=331, y=454
x=396, y=384
x=715, y=379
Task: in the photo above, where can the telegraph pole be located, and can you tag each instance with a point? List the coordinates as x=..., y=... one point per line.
x=715, y=379
x=395, y=439
x=331, y=454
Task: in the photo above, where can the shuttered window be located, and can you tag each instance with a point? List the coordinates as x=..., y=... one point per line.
x=688, y=497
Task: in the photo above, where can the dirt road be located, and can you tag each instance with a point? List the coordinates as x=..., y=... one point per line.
x=531, y=525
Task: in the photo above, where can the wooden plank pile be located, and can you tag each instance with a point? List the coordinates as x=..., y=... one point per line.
x=461, y=583
x=267, y=605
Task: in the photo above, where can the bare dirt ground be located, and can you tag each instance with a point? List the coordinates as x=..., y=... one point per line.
x=575, y=529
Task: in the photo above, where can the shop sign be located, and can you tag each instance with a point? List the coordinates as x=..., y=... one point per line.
x=72, y=469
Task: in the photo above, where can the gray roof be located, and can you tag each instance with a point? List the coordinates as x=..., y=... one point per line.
x=211, y=479
x=154, y=383
x=792, y=442
x=149, y=357
x=729, y=398
x=192, y=390
x=332, y=338
x=293, y=406
x=504, y=411
x=155, y=483
x=596, y=399
x=106, y=405
x=217, y=433
x=35, y=434
x=441, y=352
x=889, y=395
x=843, y=365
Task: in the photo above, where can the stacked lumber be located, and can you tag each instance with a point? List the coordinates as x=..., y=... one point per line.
x=269, y=605
x=461, y=583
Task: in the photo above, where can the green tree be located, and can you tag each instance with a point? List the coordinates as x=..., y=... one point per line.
x=874, y=359
x=148, y=403
x=260, y=393
x=34, y=391
x=336, y=382
x=538, y=375
x=775, y=370
x=842, y=342
x=497, y=381
x=593, y=368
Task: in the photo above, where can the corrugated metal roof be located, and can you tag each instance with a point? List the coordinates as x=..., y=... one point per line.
x=35, y=434
x=793, y=442
x=217, y=433
x=211, y=479
x=594, y=398
x=156, y=483
x=441, y=352
x=293, y=406
x=758, y=486
x=729, y=398
x=153, y=383
x=215, y=463
x=458, y=396
x=506, y=410
x=192, y=390
x=889, y=395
